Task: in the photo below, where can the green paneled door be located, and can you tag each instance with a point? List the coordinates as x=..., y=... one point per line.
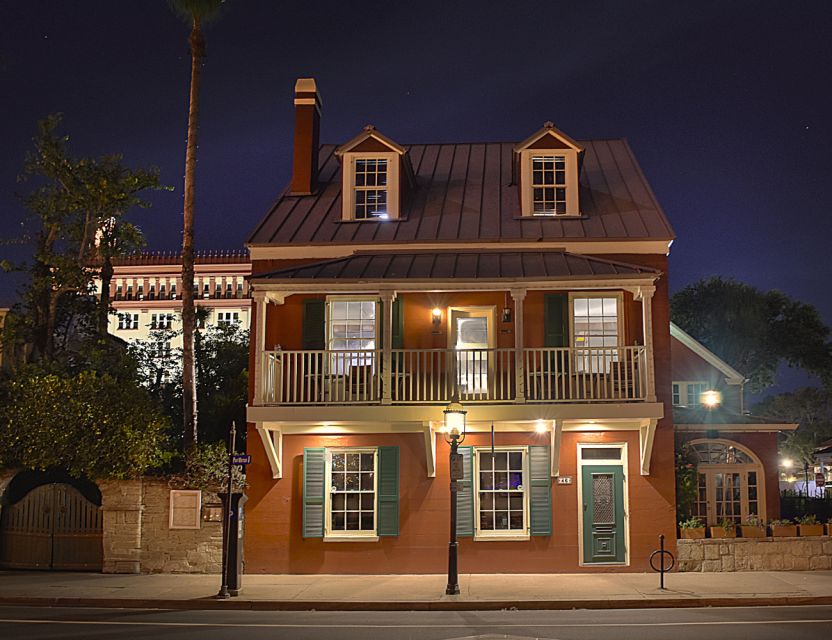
x=603, y=506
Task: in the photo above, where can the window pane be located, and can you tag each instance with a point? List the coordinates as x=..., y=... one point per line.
x=601, y=453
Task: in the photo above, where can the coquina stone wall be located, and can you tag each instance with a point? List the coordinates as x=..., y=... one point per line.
x=137, y=536
x=755, y=554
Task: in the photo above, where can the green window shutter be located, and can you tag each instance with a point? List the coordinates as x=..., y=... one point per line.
x=540, y=492
x=314, y=324
x=314, y=481
x=398, y=323
x=556, y=329
x=388, y=491
x=465, y=495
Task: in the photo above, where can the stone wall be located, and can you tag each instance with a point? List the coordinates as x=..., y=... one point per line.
x=137, y=536
x=755, y=554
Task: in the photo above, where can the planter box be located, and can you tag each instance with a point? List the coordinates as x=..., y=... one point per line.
x=752, y=531
x=784, y=530
x=811, y=530
x=696, y=533
x=719, y=532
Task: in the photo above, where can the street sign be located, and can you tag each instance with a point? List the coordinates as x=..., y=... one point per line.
x=820, y=481
x=240, y=459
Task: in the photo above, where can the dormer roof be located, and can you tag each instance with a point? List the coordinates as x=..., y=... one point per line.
x=363, y=142
x=548, y=133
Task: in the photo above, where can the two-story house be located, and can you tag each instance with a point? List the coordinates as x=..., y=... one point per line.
x=735, y=453
x=526, y=279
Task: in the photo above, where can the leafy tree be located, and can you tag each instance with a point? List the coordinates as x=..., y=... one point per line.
x=195, y=13
x=76, y=220
x=811, y=409
x=754, y=331
x=91, y=425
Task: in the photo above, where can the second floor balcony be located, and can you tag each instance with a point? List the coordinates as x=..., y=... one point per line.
x=474, y=375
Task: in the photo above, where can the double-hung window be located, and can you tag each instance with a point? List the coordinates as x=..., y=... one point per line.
x=689, y=394
x=128, y=321
x=370, y=184
x=501, y=493
x=351, y=335
x=548, y=185
x=351, y=487
x=596, y=332
x=228, y=317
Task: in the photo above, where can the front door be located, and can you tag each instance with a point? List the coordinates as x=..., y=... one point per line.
x=603, y=513
x=471, y=338
x=727, y=493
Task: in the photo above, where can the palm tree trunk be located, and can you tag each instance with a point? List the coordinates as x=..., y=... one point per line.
x=197, y=44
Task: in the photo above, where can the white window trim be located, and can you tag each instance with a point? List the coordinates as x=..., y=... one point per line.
x=511, y=535
x=328, y=316
x=348, y=187
x=526, y=197
x=623, y=463
x=349, y=536
x=683, y=391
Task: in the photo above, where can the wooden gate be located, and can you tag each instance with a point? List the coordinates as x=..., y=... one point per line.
x=52, y=527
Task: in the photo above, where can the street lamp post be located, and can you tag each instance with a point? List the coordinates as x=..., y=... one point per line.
x=454, y=433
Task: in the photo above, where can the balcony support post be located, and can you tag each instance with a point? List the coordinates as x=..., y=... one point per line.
x=645, y=294
x=387, y=298
x=519, y=295
x=261, y=302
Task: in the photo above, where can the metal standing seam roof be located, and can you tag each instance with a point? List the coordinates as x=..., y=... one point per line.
x=464, y=193
x=448, y=265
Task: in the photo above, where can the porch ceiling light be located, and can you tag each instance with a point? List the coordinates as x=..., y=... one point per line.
x=711, y=399
x=540, y=426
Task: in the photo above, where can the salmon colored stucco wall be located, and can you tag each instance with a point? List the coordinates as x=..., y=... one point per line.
x=274, y=514
x=687, y=366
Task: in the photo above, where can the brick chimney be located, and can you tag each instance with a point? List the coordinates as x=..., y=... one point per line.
x=307, y=133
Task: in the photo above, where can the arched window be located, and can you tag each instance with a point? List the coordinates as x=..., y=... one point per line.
x=730, y=482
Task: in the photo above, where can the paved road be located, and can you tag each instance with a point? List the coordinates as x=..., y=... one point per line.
x=760, y=623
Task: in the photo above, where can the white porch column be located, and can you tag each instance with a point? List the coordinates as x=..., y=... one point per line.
x=645, y=294
x=519, y=295
x=261, y=301
x=387, y=298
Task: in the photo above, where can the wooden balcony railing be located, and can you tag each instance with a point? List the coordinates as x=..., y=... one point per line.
x=434, y=376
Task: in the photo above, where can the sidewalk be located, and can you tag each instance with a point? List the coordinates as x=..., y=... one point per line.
x=419, y=592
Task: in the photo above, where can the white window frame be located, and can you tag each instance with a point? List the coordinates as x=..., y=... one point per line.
x=228, y=317
x=328, y=321
x=527, y=194
x=511, y=534
x=619, y=296
x=349, y=536
x=624, y=464
x=683, y=386
x=348, y=184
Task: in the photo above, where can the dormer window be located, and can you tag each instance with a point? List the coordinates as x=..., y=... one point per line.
x=370, y=184
x=372, y=167
x=548, y=185
x=547, y=165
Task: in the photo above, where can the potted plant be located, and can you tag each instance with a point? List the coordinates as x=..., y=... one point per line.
x=809, y=525
x=753, y=527
x=692, y=529
x=725, y=529
x=783, y=528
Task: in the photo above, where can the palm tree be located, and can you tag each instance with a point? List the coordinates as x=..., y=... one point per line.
x=195, y=13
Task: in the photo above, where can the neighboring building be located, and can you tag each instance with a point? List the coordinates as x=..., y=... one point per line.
x=527, y=278
x=736, y=453
x=146, y=293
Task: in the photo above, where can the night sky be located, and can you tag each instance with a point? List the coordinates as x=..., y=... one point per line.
x=727, y=105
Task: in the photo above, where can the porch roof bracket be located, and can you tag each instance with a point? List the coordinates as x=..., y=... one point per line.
x=272, y=439
x=646, y=435
x=556, y=435
x=430, y=449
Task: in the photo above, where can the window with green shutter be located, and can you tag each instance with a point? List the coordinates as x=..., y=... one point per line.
x=314, y=324
x=540, y=492
x=556, y=329
x=388, y=491
x=314, y=480
x=465, y=495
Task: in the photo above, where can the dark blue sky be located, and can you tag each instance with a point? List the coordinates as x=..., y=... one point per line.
x=726, y=104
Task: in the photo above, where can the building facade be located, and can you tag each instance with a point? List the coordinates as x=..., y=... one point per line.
x=146, y=293
x=528, y=280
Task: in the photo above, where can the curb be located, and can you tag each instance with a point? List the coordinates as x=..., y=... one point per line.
x=209, y=603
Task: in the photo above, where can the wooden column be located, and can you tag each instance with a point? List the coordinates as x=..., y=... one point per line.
x=519, y=295
x=387, y=298
x=645, y=294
